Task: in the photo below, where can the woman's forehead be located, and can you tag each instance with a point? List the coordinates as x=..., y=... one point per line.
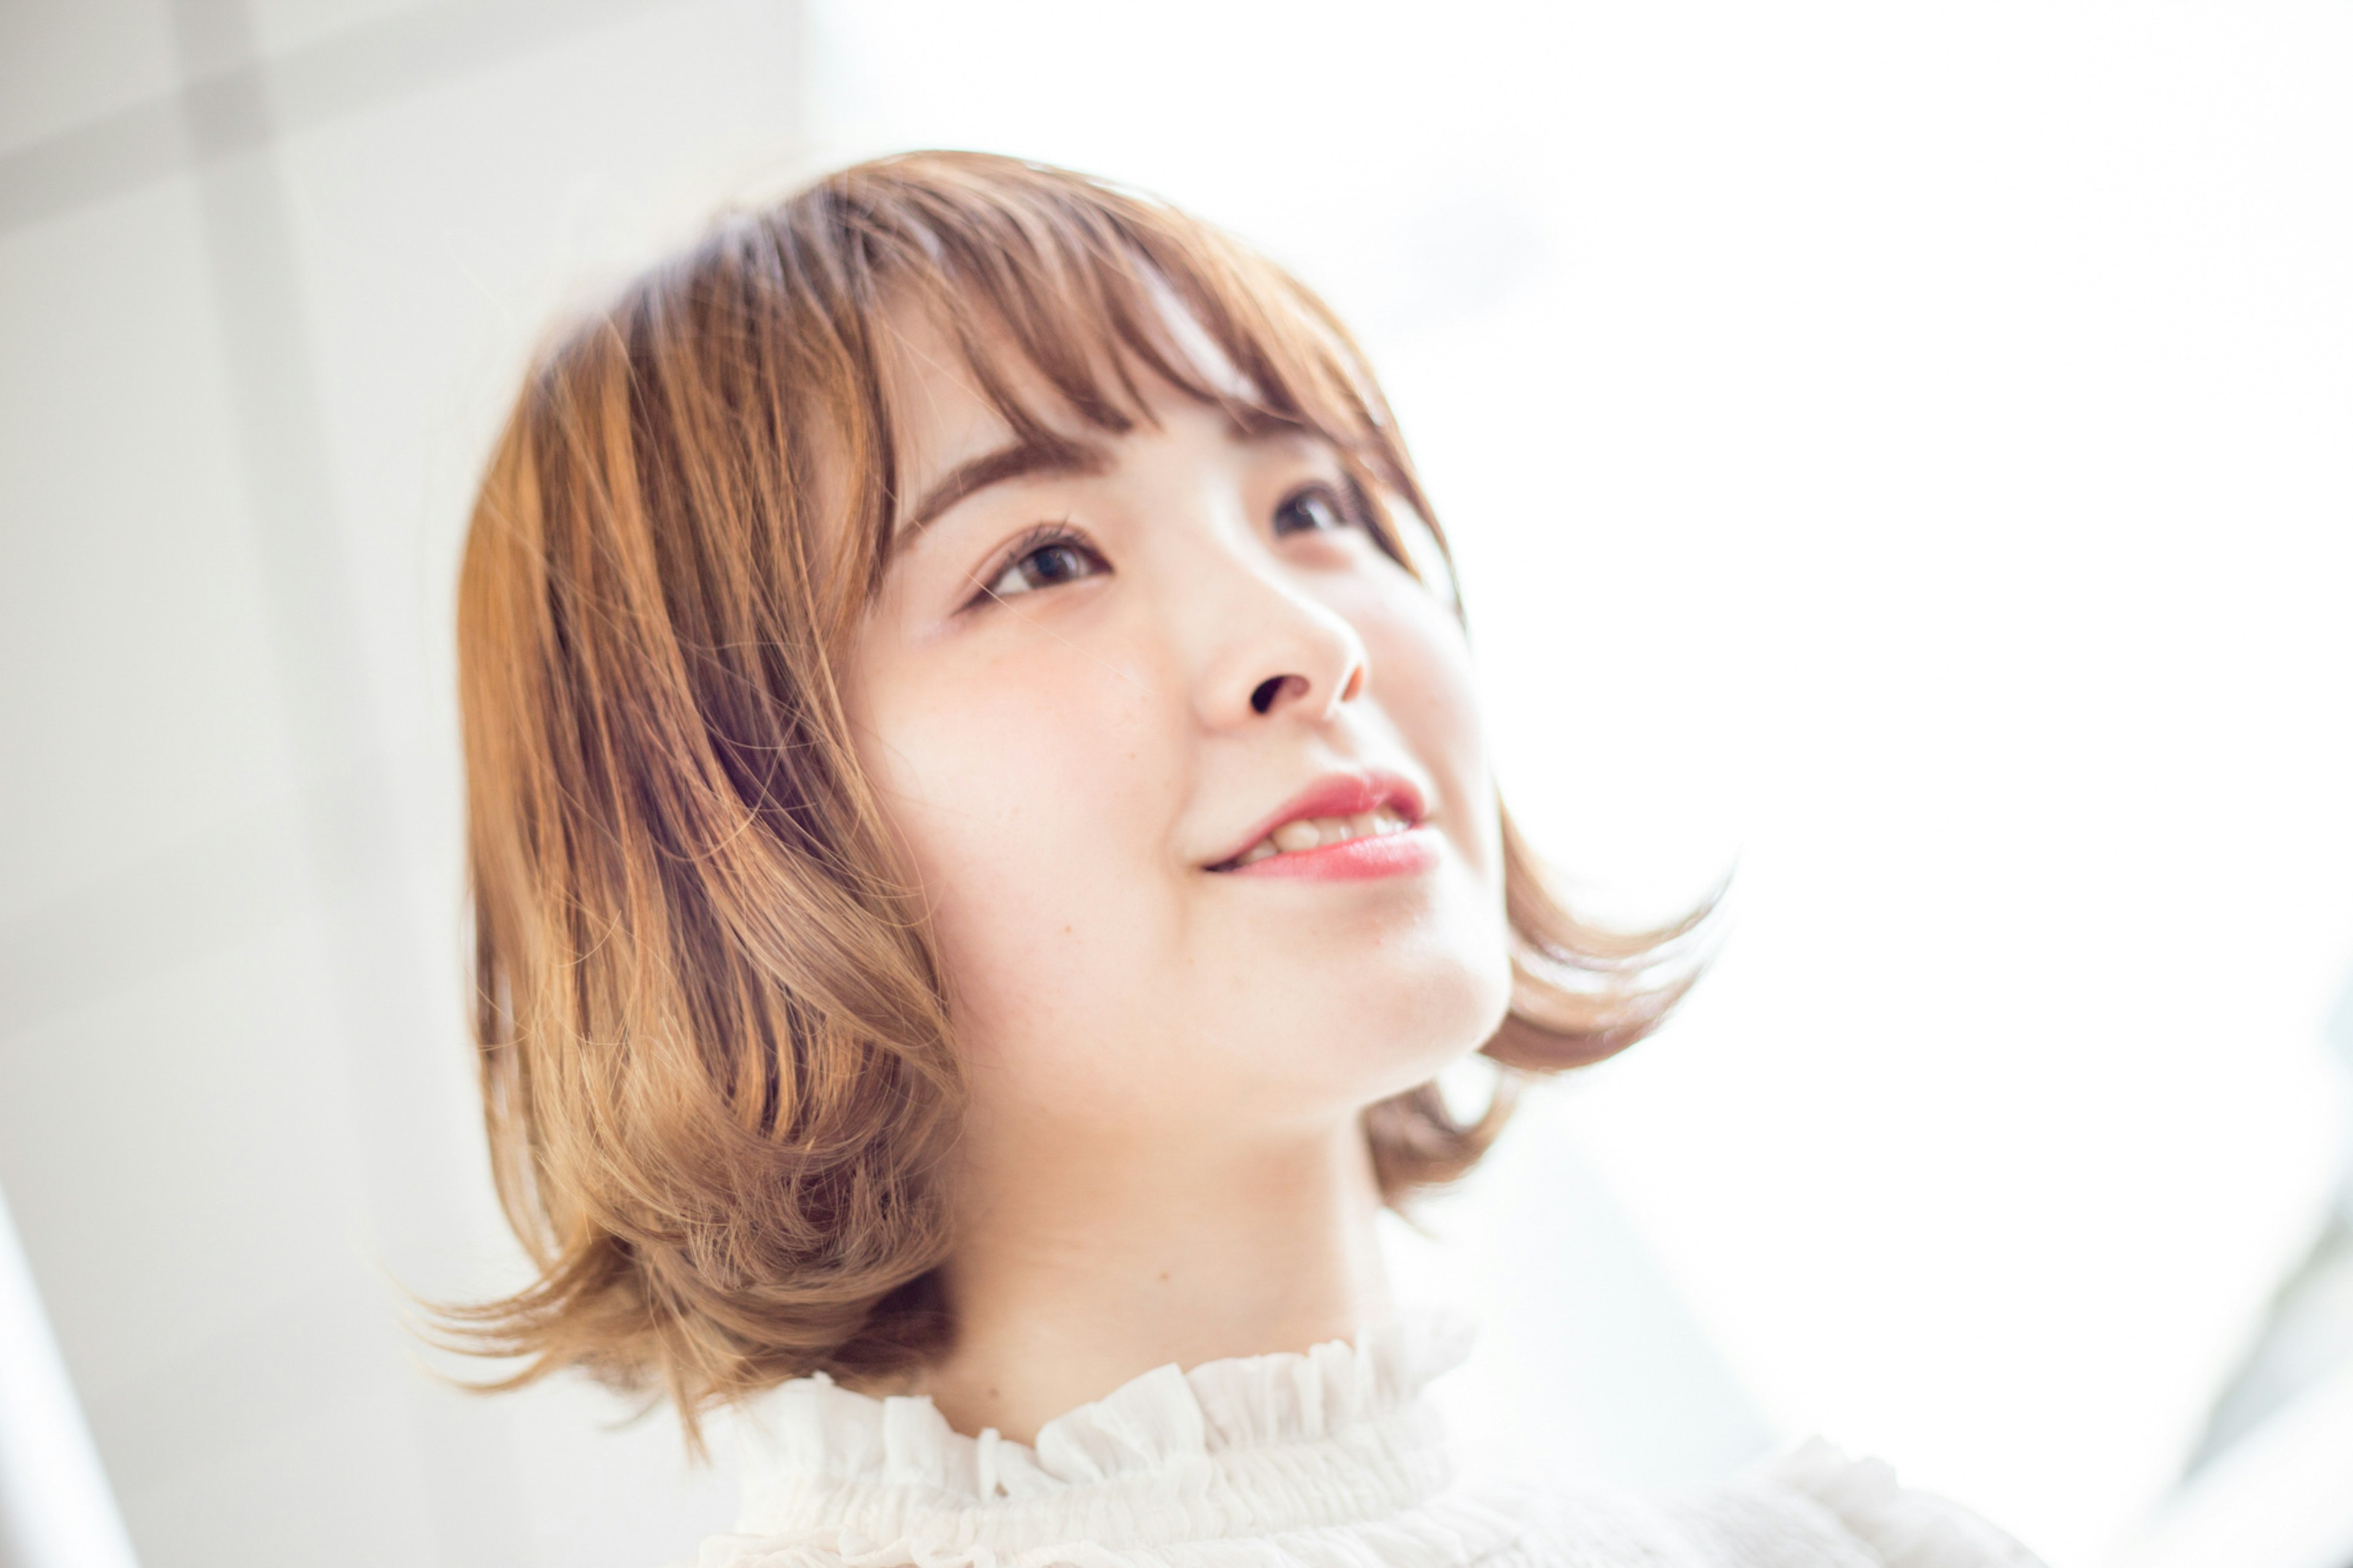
x=951, y=413
x=1085, y=357
x=941, y=410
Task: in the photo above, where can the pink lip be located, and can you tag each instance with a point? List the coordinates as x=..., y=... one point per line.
x=1345, y=794
x=1389, y=854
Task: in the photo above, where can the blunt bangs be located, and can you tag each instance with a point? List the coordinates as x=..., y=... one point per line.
x=1055, y=300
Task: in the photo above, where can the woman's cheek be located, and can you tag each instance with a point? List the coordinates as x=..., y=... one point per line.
x=1031, y=788
x=1423, y=674
x=992, y=787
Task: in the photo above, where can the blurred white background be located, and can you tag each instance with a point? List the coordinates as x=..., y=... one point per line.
x=1908, y=448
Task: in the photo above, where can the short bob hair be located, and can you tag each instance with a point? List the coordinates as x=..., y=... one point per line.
x=716, y=1059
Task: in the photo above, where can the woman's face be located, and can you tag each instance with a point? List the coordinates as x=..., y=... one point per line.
x=1106, y=704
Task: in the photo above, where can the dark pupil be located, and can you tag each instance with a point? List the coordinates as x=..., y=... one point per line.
x=1053, y=563
x=1310, y=512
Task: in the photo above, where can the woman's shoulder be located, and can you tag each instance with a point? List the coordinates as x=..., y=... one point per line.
x=1795, y=1505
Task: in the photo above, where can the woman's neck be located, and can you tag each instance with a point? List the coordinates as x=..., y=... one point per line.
x=1078, y=1269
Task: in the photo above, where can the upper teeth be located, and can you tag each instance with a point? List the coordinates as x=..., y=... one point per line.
x=1312, y=832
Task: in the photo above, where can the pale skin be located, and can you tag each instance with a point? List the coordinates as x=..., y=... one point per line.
x=1080, y=695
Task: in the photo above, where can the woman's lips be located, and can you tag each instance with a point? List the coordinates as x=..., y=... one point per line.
x=1343, y=826
x=1395, y=854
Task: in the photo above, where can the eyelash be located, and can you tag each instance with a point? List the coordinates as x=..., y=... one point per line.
x=1343, y=500
x=1346, y=502
x=1036, y=539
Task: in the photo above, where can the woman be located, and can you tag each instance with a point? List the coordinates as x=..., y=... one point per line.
x=981, y=843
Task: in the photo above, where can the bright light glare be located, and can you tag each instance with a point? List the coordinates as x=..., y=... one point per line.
x=1907, y=446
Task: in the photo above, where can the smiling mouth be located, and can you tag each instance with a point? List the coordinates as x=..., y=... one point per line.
x=1373, y=815
x=1302, y=833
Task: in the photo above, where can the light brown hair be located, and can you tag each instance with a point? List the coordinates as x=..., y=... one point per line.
x=716, y=1060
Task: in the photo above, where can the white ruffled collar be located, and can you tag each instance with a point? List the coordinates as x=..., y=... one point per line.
x=1298, y=1440
x=1327, y=1458
x=1168, y=1416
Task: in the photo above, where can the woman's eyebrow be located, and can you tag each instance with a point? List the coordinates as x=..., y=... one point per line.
x=1023, y=459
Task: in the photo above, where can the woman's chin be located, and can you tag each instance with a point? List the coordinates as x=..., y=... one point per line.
x=1366, y=1037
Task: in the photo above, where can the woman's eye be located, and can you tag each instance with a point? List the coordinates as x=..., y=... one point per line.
x=1311, y=511
x=1045, y=565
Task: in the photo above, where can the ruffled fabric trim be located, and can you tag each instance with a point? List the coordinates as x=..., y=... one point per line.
x=1453, y=1532
x=812, y=1426
x=1327, y=1458
x=1262, y=1446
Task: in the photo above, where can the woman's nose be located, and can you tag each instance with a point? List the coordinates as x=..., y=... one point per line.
x=1275, y=651
x=1278, y=690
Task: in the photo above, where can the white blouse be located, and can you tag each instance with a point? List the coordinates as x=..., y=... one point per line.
x=1328, y=1459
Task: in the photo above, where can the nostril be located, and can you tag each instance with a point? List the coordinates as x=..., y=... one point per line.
x=1263, y=699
